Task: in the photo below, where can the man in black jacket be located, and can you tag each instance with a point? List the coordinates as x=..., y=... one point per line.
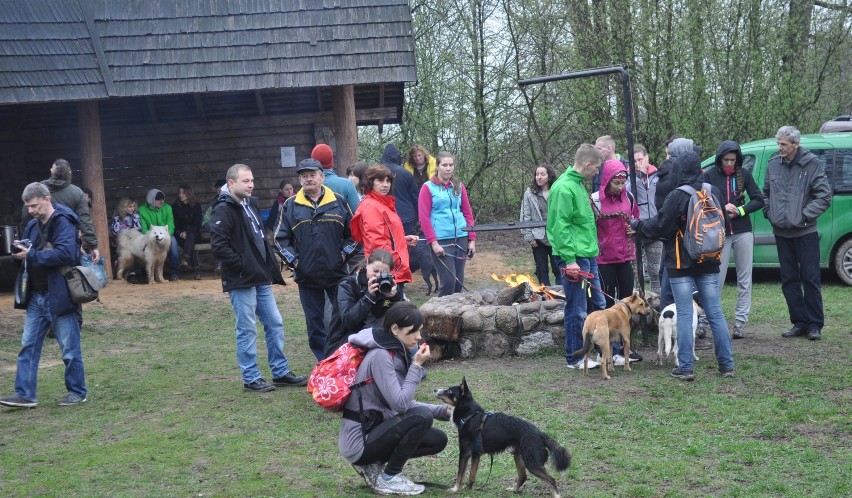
x=797, y=192
x=740, y=197
x=248, y=270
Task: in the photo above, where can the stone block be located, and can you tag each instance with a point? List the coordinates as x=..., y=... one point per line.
x=441, y=326
x=533, y=343
x=495, y=345
x=472, y=320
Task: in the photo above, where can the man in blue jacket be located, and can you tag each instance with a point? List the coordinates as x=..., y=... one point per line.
x=54, y=245
x=248, y=270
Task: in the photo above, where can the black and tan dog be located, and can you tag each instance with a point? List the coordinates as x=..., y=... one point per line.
x=603, y=326
x=482, y=432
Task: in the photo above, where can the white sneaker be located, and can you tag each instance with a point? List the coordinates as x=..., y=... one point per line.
x=618, y=360
x=397, y=485
x=592, y=364
x=579, y=364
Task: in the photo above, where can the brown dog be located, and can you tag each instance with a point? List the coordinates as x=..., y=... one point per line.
x=603, y=326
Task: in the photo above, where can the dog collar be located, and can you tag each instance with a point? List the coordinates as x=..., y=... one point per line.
x=625, y=305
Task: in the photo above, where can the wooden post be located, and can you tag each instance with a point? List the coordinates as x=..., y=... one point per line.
x=345, y=129
x=89, y=122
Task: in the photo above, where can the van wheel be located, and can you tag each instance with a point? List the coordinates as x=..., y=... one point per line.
x=843, y=262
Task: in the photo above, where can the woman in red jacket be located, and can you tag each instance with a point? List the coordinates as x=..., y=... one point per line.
x=377, y=225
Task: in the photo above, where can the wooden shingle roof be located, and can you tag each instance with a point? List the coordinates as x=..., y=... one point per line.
x=67, y=50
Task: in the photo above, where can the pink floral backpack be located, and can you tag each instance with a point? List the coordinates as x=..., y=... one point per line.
x=331, y=380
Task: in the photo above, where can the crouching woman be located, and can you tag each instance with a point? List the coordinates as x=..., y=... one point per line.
x=385, y=427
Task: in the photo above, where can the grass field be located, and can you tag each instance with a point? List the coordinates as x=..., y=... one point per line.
x=167, y=415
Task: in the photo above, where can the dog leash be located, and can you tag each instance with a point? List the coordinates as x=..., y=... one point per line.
x=584, y=276
x=440, y=260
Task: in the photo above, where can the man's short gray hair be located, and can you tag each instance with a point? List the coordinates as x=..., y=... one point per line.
x=234, y=171
x=35, y=190
x=790, y=132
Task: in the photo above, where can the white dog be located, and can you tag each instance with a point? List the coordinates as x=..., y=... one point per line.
x=667, y=337
x=152, y=248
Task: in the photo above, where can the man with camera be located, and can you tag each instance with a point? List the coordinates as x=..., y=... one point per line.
x=49, y=243
x=314, y=238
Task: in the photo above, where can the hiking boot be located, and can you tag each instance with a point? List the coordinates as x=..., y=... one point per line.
x=259, y=386
x=397, y=485
x=737, y=332
x=726, y=374
x=290, y=380
x=18, y=402
x=369, y=472
x=682, y=375
x=71, y=399
x=814, y=334
x=701, y=344
x=796, y=331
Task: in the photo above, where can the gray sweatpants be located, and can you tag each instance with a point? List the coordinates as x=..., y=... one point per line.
x=742, y=245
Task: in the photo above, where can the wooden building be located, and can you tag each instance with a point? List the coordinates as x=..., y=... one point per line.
x=157, y=93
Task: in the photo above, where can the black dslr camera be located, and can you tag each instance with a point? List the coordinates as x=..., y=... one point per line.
x=385, y=281
x=21, y=245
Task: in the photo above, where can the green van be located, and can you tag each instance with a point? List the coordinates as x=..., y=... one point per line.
x=834, y=226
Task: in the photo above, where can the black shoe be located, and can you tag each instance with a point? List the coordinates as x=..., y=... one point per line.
x=291, y=380
x=174, y=277
x=814, y=334
x=259, y=386
x=683, y=375
x=634, y=356
x=795, y=332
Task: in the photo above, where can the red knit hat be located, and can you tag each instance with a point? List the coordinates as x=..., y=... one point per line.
x=323, y=154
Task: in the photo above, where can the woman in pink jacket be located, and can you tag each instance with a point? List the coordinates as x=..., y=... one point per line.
x=614, y=206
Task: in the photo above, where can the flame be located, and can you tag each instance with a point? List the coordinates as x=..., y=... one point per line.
x=516, y=279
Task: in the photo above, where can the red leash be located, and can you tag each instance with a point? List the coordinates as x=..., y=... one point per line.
x=576, y=275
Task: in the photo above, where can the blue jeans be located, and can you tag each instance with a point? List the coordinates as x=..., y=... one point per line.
x=67, y=330
x=313, y=303
x=173, y=256
x=708, y=289
x=578, y=305
x=258, y=302
x=798, y=258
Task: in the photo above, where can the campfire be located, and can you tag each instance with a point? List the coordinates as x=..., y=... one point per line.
x=529, y=289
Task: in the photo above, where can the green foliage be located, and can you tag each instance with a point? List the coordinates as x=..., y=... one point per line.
x=709, y=70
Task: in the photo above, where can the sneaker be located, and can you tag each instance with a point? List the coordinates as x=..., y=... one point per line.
x=634, y=356
x=683, y=375
x=18, y=402
x=796, y=331
x=290, y=380
x=618, y=360
x=702, y=344
x=814, y=334
x=737, y=332
x=726, y=374
x=397, y=485
x=259, y=386
x=579, y=364
x=369, y=472
x=71, y=399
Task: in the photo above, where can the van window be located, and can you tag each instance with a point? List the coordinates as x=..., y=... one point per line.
x=839, y=170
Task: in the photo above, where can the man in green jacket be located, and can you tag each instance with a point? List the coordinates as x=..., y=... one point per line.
x=573, y=234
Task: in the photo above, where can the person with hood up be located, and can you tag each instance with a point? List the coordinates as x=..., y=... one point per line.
x=740, y=197
x=157, y=213
x=686, y=274
x=62, y=191
x=797, y=192
x=377, y=225
x=54, y=244
x=395, y=427
x=405, y=189
x=444, y=213
x=614, y=207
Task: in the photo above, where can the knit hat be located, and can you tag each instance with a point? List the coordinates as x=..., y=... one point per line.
x=324, y=155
